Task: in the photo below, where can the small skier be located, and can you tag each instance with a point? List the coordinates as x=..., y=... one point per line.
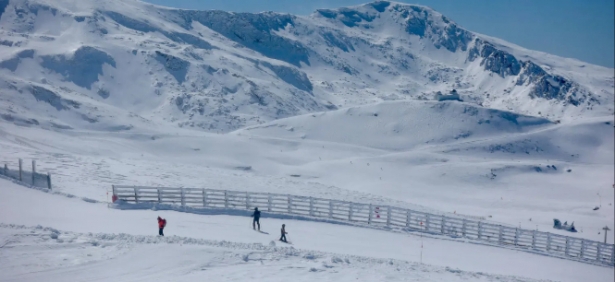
x=161, y=224
x=256, y=215
x=283, y=237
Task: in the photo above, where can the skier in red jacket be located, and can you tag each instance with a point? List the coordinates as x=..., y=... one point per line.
x=161, y=224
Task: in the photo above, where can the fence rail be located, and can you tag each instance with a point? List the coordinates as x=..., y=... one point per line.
x=570, y=247
x=21, y=174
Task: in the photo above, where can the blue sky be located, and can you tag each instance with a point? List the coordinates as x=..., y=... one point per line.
x=580, y=29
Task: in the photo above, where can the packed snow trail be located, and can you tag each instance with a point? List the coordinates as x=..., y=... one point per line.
x=76, y=215
x=46, y=254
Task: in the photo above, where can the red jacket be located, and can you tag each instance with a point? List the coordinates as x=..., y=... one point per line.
x=162, y=222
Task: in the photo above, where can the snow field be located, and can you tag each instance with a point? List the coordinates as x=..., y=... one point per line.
x=131, y=236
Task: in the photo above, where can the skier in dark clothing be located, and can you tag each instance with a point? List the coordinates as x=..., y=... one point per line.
x=283, y=237
x=161, y=224
x=256, y=215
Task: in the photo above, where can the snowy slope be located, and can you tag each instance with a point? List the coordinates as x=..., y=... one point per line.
x=116, y=65
x=89, y=241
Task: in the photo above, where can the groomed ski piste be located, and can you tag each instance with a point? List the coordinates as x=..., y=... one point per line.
x=55, y=238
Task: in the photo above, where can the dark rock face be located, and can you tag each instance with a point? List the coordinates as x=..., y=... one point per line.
x=53, y=99
x=254, y=31
x=175, y=66
x=494, y=60
x=83, y=68
x=13, y=63
x=146, y=27
x=545, y=85
x=291, y=76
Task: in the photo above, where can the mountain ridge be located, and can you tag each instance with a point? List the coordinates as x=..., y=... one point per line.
x=220, y=71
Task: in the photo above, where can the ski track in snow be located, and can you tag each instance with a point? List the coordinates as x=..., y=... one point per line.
x=123, y=257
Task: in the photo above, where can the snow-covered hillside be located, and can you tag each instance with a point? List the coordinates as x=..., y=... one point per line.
x=116, y=65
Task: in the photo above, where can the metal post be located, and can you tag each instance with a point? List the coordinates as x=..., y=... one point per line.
x=464, y=225
x=33, y=171
x=388, y=216
x=225, y=200
x=204, y=198
x=290, y=204
x=516, y=236
x=501, y=235
x=20, y=162
x=349, y=211
x=183, y=197
x=247, y=201
x=159, y=198
x=582, y=254
x=311, y=206
x=49, y=181
x=567, y=250
x=534, y=239
x=427, y=216
x=548, y=241
x=136, y=195
x=613, y=255
x=443, y=224
x=408, y=218
x=480, y=230
x=369, y=216
x=606, y=229
x=330, y=209
x=269, y=202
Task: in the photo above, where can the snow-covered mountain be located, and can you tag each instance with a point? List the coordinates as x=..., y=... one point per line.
x=114, y=65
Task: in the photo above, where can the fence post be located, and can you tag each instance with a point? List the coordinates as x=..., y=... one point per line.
x=427, y=216
x=408, y=218
x=268, y=202
x=369, y=216
x=33, y=171
x=247, y=201
x=136, y=194
x=20, y=170
x=582, y=254
x=534, y=239
x=49, y=181
x=159, y=198
x=463, y=227
x=311, y=206
x=613, y=255
x=349, y=211
x=480, y=230
x=501, y=235
x=443, y=222
x=388, y=216
x=567, y=250
x=290, y=204
x=183, y=197
x=598, y=252
x=516, y=236
x=204, y=198
x=225, y=200
x=548, y=241
x=330, y=208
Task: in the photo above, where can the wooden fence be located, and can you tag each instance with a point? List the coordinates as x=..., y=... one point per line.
x=571, y=247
